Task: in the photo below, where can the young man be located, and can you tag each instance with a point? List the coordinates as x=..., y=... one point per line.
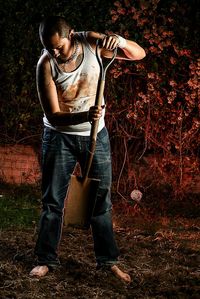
x=67, y=77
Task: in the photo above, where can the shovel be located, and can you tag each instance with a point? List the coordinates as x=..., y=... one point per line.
x=82, y=191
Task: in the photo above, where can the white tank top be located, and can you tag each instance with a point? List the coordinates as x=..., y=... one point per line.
x=77, y=89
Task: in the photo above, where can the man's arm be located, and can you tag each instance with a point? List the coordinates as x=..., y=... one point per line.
x=127, y=49
x=49, y=99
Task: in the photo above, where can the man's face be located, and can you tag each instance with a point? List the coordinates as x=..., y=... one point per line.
x=58, y=46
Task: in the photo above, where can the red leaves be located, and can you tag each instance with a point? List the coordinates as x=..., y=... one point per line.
x=164, y=87
x=173, y=60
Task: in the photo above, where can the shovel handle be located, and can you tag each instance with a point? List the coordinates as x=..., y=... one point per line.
x=98, y=102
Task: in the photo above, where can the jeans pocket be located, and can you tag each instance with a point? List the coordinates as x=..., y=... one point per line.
x=49, y=136
x=103, y=141
x=46, y=137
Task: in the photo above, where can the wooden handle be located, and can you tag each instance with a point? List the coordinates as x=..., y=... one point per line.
x=98, y=102
x=94, y=129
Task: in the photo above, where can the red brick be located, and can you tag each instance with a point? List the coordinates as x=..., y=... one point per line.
x=19, y=164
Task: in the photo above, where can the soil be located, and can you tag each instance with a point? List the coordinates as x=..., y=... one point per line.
x=161, y=255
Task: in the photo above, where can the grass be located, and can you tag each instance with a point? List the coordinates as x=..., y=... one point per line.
x=19, y=205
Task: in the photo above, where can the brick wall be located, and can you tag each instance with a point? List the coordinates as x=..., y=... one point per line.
x=19, y=165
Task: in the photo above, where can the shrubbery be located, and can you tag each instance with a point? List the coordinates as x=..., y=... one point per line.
x=152, y=105
x=155, y=103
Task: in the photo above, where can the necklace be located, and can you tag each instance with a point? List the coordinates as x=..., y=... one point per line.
x=72, y=57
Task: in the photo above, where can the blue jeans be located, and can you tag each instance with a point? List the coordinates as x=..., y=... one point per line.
x=60, y=153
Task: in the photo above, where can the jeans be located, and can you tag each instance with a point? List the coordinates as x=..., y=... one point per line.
x=60, y=153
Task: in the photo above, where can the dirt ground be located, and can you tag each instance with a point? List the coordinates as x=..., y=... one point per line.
x=161, y=255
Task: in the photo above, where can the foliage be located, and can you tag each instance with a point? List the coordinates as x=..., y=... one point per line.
x=152, y=105
x=155, y=105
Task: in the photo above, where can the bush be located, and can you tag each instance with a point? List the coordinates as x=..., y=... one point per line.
x=152, y=105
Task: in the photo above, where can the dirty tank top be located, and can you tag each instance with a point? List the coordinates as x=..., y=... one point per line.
x=77, y=89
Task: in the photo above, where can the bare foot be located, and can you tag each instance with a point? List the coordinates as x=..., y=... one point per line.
x=120, y=274
x=39, y=271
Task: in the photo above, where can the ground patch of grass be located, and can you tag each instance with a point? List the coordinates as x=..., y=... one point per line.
x=19, y=205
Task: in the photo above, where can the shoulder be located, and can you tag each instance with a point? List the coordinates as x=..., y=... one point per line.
x=93, y=36
x=43, y=62
x=43, y=69
x=90, y=36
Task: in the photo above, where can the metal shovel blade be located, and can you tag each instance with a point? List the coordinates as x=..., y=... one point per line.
x=80, y=201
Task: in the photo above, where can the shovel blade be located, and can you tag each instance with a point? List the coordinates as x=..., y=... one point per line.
x=80, y=202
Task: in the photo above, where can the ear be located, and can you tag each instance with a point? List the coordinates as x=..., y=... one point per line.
x=71, y=33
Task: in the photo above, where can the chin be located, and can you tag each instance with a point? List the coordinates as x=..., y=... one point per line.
x=61, y=59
